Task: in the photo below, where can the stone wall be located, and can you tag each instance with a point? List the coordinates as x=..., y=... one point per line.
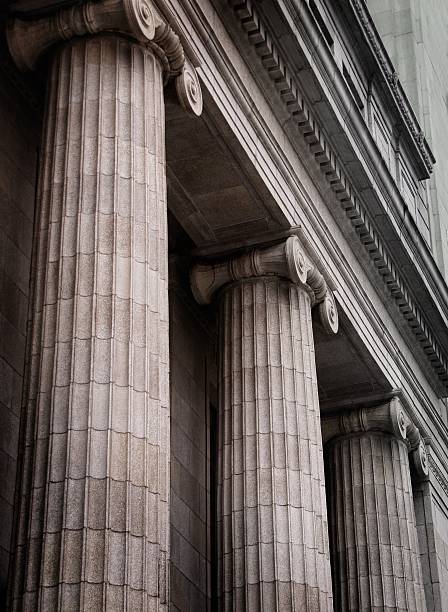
x=18, y=158
x=414, y=34
x=192, y=374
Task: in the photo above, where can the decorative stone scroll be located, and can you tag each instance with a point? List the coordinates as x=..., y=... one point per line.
x=189, y=90
x=389, y=417
x=287, y=259
x=140, y=19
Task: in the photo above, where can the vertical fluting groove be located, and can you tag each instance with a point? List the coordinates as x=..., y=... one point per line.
x=85, y=492
x=373, y=525
x=364, y=554
x=356, y=470
x=92, y=527
x=258, y=593
x=272, y=556
x=241, y=462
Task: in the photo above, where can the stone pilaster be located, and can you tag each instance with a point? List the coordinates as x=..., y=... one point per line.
x=93, y=527
x=273, y=544
x=376, y=564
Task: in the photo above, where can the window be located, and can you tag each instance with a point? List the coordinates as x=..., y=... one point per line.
x=353, y=89
x=322, y=25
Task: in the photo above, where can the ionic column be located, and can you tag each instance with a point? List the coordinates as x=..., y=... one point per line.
x=94, y=482
x=273, y=521
x=376, y=564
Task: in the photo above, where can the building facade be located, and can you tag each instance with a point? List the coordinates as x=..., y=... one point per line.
x=224, y=305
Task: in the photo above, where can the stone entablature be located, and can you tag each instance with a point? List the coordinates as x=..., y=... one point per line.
x=391, y=78
x=424, y=320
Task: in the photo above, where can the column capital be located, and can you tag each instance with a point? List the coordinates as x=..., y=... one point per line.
x=287, y=259
x=139, y=19
x=390, y=418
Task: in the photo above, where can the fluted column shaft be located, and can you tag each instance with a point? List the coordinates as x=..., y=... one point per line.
x=372, y=524
x=273, y=524
x=93, y=526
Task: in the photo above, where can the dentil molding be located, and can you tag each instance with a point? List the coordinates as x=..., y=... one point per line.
x=287, y=259
x=28, y=40
x=327, y=161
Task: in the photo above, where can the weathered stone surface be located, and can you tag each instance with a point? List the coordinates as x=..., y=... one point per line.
x=375, y=553
x=274, y=543
x=93, y=526
x=272, y=520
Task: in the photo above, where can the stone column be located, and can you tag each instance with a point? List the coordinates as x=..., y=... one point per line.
x=92, y=500
x=376, y=564
x=272, y=512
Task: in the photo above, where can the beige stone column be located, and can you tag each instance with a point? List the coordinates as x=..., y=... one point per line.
x=92, y=500
x=376, y=564
x=272, y=519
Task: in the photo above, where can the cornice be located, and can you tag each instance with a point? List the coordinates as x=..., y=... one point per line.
x=417, y=396
x=389, y=418
x=288, y=259
x=391, y=78
x=331, y=169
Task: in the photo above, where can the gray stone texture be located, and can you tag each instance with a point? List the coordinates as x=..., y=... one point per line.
x=93, y=511
x=424, y=517
x=95, y=486
x=273, y=521
x=190, y=521
x=414, y=34
x=440, y=517
x=18, y=159
x=375, y=553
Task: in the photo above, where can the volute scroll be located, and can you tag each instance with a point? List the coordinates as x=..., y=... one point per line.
x=288, y=259
x=28, y=40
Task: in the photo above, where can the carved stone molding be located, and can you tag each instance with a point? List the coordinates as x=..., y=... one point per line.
x=394, y=82
x=389, y=418
x=29, y=39
x=188, y=90
x=287, y=259
x=330, y=167
x=440, y=477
